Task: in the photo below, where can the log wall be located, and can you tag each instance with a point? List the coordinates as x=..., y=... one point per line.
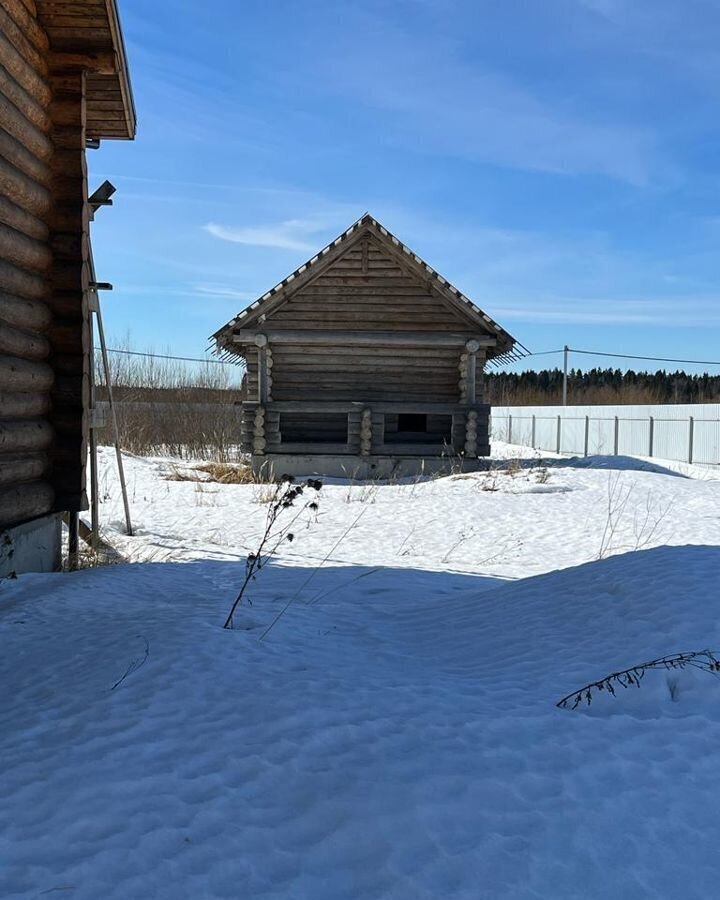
x=369, y=288
x=43, y=274
x=26, y=378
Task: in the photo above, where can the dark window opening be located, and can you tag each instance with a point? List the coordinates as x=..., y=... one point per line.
x=412, y=422
x=314, y=428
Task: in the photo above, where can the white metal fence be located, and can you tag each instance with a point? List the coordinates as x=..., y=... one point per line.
x=685, y=432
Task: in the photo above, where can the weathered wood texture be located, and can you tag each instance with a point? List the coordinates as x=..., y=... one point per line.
x=26, y=435
x=366, y=327
x=87, y=36
x=47, y=99
x=381, y=294
x=68, y=334
x=345, y=372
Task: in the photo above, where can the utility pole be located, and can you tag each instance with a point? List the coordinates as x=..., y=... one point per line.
x=565, y=370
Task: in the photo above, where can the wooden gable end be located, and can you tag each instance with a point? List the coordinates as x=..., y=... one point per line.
x=370, y=288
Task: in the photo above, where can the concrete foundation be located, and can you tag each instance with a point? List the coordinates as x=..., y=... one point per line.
x=358, y=468
x=35, y=546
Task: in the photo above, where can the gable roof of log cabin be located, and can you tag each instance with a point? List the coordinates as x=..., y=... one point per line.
x=367, y=244
x=87, y=34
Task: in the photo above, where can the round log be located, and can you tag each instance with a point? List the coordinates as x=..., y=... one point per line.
x=26, y=75
x=22, y=344
x=22, y=221
x=24, y=132
x=24, y=434
x=29, y=254
x=23, y=191
x=21, y=38
x=25, y=467
x=35, y=114
x=22, y=375
x=30, y=315
x=22, y=405
x=22, y=502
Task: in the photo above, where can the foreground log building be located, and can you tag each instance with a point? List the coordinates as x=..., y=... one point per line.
x=364, y=361
x=63, y=86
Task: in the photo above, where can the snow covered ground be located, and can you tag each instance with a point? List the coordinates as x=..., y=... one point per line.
x=395, y=735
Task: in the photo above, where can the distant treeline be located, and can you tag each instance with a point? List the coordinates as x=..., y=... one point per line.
x=600, y=386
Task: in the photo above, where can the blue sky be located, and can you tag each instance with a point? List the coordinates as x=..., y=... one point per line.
x=558, y=161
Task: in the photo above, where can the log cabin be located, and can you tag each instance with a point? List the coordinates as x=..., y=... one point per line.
x=64, y=86
x=364, y=362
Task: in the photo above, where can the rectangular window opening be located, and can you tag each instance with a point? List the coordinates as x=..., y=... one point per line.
x=413, y=423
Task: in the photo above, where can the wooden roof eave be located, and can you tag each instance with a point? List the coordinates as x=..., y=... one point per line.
x=314, y=267
x=90, y=38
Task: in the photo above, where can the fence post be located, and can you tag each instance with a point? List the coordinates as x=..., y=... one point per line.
x=587, y=435
x=691, y=437
x=532, y=432
x=559, y=432
x=617, y=435
x=651, y=436
x=510, y=429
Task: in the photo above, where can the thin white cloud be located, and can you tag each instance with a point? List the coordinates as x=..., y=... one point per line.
x=293, y=234
x=696, y=311
x=459, y=109
x=213, y=289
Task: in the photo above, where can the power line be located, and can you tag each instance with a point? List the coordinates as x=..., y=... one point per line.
x=544, y=352
x=222, y=362
x=697, y=362
x=217, y=362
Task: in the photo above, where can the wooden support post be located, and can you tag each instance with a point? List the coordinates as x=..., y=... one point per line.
x=73, y=525
x=94, y=496
x=691, y=437
x=558, y=440
x=509, y=429
x=471, y=434
x=366, y=432
x=113, y=414
x=586, y=442
x=532, y=433
x=260, y=341
x=651, y=435
x=616, y=436
x=259, y=442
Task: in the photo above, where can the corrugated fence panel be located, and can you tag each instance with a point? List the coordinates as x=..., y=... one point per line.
x=683, y=432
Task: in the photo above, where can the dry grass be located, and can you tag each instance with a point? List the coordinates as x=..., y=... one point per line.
x=216, y=473
x=227, y=473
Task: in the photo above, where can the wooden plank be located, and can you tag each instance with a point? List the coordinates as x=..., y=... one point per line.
x=347, y=406
x=101, y=61
x=21, y=502
x=22, y=344
x=340, y=355
x=14, y=153
x=388, y=338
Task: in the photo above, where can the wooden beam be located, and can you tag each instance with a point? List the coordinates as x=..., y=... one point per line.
x=387, y=338
x=384, y=406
